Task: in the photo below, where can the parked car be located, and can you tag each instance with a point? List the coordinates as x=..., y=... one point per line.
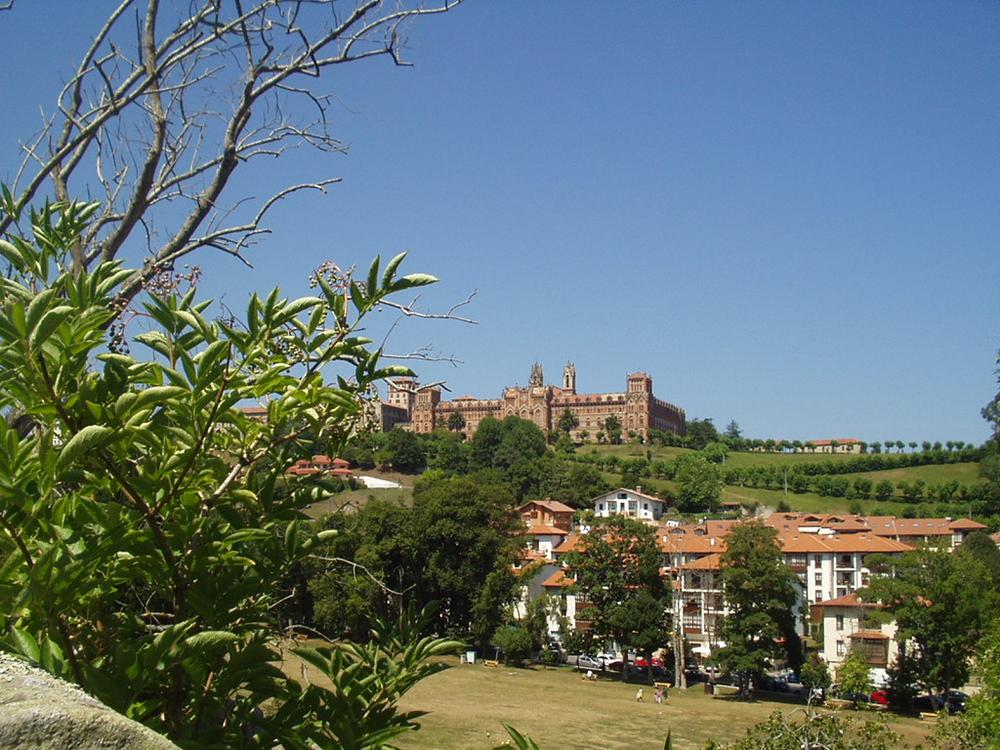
x=837, y=691
x=589, y=661
x=881, y=697
x=929, y=703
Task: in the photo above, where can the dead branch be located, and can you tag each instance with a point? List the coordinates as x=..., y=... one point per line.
x=165, y=107
x=355, y=566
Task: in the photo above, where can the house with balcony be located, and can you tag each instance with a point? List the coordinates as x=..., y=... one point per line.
x=632, y=503
x=848, y=625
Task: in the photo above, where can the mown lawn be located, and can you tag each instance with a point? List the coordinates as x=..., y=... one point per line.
x=740, y=458
x=354, y=499
x=965, y=473
x=560, y=710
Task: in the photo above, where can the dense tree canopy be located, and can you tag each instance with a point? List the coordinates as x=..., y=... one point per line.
x=700, y=483
x=617, y=570
x=942, y=602
x=761, y=593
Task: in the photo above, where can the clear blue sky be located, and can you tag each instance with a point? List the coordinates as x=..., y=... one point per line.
x=786, y=213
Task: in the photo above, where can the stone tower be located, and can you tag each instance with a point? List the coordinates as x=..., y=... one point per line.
x=569, y=378
x=537, y=377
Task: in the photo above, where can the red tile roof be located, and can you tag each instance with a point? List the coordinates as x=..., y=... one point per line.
x=708, y=562
x=553, y=505
x=851, y=600
x=558, y=580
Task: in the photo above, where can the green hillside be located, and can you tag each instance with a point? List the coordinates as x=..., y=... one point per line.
x=733, y=459
x=965, y=473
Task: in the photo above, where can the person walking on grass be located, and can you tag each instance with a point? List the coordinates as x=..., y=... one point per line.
x=638, y=696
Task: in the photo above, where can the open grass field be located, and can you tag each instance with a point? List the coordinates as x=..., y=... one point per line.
x=807, y=502
x=733, y=459
x=559, y=711
x=357, y=498
x=965, y=473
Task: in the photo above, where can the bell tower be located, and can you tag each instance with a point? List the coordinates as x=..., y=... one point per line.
x=569, y=378
x=537, y=379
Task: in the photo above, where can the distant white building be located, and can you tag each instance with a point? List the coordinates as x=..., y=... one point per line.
x=631, y=503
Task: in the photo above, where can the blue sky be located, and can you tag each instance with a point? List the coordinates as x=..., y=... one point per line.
x=786, y=213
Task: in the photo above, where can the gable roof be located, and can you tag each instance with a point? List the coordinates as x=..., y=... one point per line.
x=637, y=493
x=552, y=505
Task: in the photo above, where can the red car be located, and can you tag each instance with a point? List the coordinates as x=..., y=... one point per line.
x=881, y=697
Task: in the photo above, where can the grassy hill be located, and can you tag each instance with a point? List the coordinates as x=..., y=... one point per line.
x=733, y=459
x=934, y=474
x=354, y=499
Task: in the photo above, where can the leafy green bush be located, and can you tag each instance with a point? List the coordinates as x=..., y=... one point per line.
x=147, y=527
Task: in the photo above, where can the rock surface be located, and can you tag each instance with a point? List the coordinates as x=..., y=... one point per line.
x=41, y=712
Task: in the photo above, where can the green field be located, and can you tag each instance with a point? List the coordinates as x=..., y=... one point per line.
x=807, y=502
x=559, y=710
x=965, y=473
x=740, y=458
x=354, y=499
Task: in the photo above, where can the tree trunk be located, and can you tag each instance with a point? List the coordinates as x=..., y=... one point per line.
x=680, y=679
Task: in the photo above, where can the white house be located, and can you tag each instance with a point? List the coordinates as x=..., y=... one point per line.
x=849, y=626
x=631, y=503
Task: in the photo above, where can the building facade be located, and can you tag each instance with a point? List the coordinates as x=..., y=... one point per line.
x=636, y=408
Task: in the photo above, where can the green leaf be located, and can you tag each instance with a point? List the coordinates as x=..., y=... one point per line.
x=390, y=270
x=413, y=280
x=208, y=639
x=48, y=324
x=25, y=644
x=38, y=306
x=373, y=276
x=87, y=439
x=294, y=307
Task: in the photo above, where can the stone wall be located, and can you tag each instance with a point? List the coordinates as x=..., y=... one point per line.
x=41, y=712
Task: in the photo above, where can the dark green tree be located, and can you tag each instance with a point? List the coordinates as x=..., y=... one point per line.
x=884, y=490
x=520, y=441
x=403, y=451
x=464, y=532
x=761, y=592
x=456, y=422
x=485, y=443
x=347, y=599
x=617, y=570
x=991, y=412
x=854, y=676
x=515, y=642
x=979, y=546
x=567, y=421
x=733, y=429
x=613, y=430
x=941, y=602
x=815, y=674
x=447, y=451
x=700, y=432
x=700, y=483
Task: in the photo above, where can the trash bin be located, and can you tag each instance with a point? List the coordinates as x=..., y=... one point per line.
x=470, y=657
x=708, y=688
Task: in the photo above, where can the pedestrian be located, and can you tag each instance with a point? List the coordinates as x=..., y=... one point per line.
x=638, y=696
x=658, y=695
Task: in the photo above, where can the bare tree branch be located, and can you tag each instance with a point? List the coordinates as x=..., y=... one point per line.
x=165, y=107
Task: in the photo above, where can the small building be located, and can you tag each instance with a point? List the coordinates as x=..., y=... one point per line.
x=547, y=512
x=834, y=445
x=848, y=626
x=321, y=465
x=631, y=503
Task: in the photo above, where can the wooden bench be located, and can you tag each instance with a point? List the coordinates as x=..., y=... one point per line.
x=491, y=663
x=928, y=716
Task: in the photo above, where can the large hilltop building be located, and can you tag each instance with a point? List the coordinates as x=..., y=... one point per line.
x=636, y=408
